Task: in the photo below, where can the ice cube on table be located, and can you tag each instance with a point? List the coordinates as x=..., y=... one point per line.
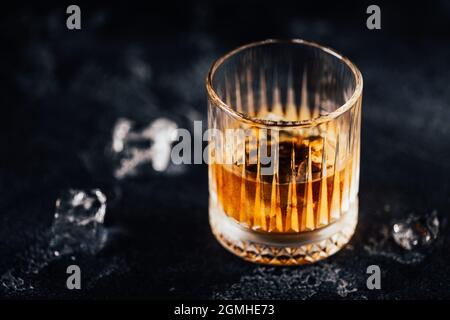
x=416, y=231
x=133, y=148
x=78, y=222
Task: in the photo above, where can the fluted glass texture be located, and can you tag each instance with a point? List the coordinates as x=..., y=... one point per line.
x=287, y=161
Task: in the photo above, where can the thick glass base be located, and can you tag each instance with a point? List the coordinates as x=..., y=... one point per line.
x=282, y=249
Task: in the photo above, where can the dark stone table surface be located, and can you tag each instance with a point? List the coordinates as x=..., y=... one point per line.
x=62, y=92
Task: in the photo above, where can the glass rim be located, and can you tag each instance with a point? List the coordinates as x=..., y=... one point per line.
x=283, y=123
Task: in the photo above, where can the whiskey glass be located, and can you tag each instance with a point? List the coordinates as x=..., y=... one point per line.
x=284, y=123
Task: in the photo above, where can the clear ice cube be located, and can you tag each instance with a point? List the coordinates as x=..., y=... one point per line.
x=133, y=148
x=317, y=149
x=78, y=222
x=416, y=231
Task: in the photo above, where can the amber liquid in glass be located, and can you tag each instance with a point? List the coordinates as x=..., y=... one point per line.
x=305, y=192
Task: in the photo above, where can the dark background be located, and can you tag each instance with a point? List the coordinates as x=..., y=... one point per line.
x=62, y=92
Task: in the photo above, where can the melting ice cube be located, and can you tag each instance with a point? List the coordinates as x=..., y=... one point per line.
x=78, y=222
x=416, y=231
x=133, y=148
